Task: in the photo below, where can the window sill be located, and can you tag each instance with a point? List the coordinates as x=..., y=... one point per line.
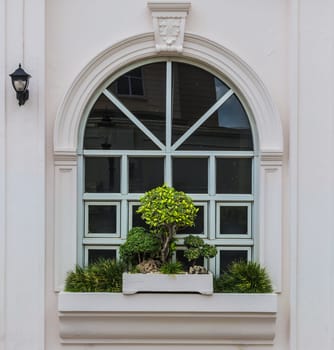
x=114, y=318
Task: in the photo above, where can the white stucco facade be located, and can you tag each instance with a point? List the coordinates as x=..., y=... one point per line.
x=279, y=55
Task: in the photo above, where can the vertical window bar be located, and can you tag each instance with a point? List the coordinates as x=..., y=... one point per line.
x=212, y=219
x=124, y=175
x=81, y=207
x=168, y=105
x=212, y=176
x=168, y=170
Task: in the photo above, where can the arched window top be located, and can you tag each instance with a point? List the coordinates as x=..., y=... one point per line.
x=168, y=106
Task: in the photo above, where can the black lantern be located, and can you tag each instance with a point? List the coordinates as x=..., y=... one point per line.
x=20, y=81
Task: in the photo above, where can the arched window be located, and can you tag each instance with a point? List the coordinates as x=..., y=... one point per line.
x=175, y=123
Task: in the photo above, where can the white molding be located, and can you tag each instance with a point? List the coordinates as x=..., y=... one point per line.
x=3, y=80
x=169, y=21
x=267, y=130
x=147, y=319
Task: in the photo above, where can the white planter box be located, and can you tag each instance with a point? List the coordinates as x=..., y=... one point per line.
x=178, y=283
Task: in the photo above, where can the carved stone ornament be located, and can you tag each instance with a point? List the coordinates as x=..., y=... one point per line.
x=169, y=19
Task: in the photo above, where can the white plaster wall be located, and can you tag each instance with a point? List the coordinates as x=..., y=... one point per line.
x=22, y=190
x=78, y=30
x=312, y=177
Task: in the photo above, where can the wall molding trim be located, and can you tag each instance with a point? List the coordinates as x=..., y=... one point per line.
x=200, y=51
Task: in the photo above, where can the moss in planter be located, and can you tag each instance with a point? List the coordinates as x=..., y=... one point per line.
x=243, y=277
x=103, y=276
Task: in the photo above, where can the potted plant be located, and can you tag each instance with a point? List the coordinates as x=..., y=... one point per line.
x=165, y=211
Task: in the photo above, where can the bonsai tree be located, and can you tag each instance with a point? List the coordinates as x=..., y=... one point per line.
x=166, y=210
x=140, y=245
x=196, y=248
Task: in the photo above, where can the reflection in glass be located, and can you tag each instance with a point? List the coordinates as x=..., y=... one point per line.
x=198, y=228
x=95, y=254
x=102, y=174
x=233, y=220
x=136, y=218
x=108, y=128
x=227, y=129
x=145, y=174
x=190, y=174
x=234, y=175
x=194, y=92
x=102, y=218
x=228, y=256
x=144, y=94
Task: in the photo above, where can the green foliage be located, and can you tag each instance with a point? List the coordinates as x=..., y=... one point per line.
x=244, y=277
x=102, y=276
x=166, y=210
x=163, y=206
x=140, y=245
x=196, y=248
x=171, y=268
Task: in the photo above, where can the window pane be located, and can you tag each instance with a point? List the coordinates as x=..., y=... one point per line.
x=194, y=92
x=234, y=175
x=228, y=256
x=145, y=174
x=199, y=224
x=108, y=128
x=147, y=96
x=190, y=174
x=102, y=174
x=95, y=254
x=102, y=218
x=227, y=129
x=233, y=220
x=136, y=218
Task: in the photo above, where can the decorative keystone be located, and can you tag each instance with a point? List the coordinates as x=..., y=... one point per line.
x=169, y=20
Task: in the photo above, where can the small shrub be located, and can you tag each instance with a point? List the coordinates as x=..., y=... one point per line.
x=244, y=277
x=140, y=245
x=171, y=268
x=103, y=276
x=196, y=248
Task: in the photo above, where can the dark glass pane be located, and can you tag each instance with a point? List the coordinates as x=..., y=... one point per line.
x=95, y=254
x=123, y=86
x=234, y=175
x=228, y=256
x=136, y=218
x=184, y=261
x=194, y=92
x=108, y=128
x=147, y=96
x=102, y=218
x=145, y=174
x=190, y=174
x=227, y=129
x=233, y=220
x=137, y=87
x=198, y=229
x=102, y=174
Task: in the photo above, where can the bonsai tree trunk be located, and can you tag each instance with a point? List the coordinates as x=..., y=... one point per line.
x=167, y=238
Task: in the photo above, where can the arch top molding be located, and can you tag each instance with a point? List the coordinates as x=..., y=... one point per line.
x=196, y=49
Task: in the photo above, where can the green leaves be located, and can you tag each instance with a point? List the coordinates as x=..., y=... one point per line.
x=196, y=248
x=244, y=277
x=102, y=276
x=163, y=206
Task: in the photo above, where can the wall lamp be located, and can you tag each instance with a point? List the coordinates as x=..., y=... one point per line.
x=20, y=82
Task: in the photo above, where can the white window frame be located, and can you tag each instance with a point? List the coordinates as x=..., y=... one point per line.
x=117, y=233
x=249, y=219
x=214, y=58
